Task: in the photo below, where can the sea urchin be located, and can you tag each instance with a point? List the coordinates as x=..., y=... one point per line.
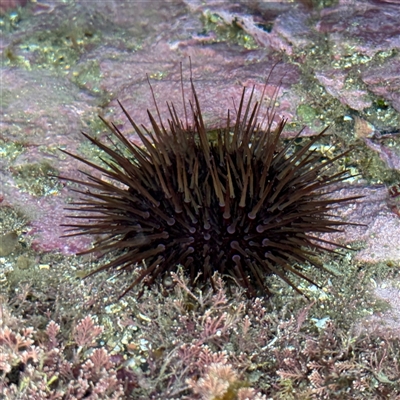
x=239, y=201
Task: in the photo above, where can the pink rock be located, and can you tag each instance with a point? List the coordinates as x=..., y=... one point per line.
x=213, y=85
x=6, y=5
x=365, y=27
x=42, y=114
x=389, y=155
x=381, y=231
x=293, y=26
x=289, y=21
x=384, y=81
x=46, y=110
x=334, y=82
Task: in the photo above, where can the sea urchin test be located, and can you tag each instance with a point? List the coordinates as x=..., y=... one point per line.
x=238, y=201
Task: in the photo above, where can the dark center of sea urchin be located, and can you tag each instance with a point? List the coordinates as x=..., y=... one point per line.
x=242, y=203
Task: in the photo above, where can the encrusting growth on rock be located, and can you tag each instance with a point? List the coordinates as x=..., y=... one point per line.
x=237, y=201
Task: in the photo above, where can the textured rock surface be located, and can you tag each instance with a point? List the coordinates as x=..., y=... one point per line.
x=58, y=77
x=64, y=62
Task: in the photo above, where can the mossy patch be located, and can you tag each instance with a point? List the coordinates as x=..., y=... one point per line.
x=227, y=32
x=37, y=179
x=307, y=113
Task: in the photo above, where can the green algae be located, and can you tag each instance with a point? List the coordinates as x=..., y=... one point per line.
x=11, y=149
x=38, y=179
x=330, y=111
x=227, y=32
x=88, y=76
x=56, y=45
x=306, y=113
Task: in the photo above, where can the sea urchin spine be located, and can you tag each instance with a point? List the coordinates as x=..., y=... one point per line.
x=242, y=203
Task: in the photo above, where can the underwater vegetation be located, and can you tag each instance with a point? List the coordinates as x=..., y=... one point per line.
x=235, y=200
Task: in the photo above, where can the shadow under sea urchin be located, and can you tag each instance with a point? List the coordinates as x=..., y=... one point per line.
x=241, y=203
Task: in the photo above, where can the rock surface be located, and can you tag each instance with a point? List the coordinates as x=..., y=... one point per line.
x=56, y=78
